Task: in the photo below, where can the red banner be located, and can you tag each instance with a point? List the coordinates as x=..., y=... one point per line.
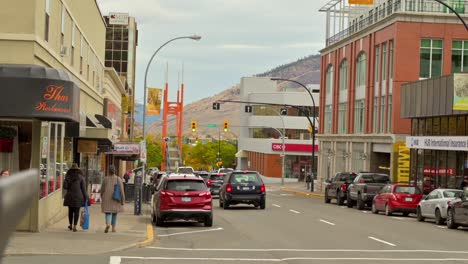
x=439, y=171
x=293, y=147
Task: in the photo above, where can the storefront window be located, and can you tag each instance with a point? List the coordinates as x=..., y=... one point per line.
x=461, y=126
x=444, y=126
x=414, y=127
x=436, y=126
x=452, y=131
x=52, y=157
x=428, y=125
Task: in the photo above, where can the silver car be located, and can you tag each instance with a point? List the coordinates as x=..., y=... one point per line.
x=435, y=204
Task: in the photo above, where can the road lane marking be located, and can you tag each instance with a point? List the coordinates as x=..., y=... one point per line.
x=365, y=212
x=294, y=211
x=443, y=227
x=326, y=222
x=115, y=260
x=286, y=194
x=382, y=241
x=192, y=232
x=275, y=205
x=344, y=206
x=312, y=250
x=399, y=218
x=292, y=259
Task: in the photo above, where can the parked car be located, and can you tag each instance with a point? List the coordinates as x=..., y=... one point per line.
x=185, y=170
x=400, y=198
x=204, y=174
x=242, y=187
x=436, y=203
x=225, y=170
x=215, y=181
x=157, y=177
x=337, y=187
x=457, y=213
x=365, y=186
x=182, y=198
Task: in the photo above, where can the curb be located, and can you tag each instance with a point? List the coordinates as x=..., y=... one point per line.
x=149, y=236
x=301, y=193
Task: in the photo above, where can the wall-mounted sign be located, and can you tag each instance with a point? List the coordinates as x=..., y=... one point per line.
x=126, y=148
x=118, y=18
x=438, y=143
x=402, y=163
x=439, y=171
x=293, y=147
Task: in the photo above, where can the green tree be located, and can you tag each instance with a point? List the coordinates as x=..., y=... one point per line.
x=205, y=155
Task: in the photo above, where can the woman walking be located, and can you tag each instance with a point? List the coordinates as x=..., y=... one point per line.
x=110, y=206
x=76, y=196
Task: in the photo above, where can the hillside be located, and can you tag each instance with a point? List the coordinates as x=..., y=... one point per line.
x=305, y=70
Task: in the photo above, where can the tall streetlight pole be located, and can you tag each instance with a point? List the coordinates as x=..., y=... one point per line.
x=194, y=37
x=313, y=126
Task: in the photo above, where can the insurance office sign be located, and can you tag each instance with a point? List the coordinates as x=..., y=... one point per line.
x=438, y=143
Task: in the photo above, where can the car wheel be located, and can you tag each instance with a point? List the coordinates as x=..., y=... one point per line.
x=388, y=212
x=262, y=204
x=438, y=218
x=209, y=221
x=339, y=199
x=451, y=219
x=419, y=214
x=374, y=209
x=360, y=203
x=349, y=201
x=327, y=199
x=225, y=205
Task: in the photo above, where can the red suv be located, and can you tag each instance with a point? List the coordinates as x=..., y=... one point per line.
x=182, y=197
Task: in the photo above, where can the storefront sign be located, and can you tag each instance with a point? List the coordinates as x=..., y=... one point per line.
x=439, y=171
x=293, y=147
x=122, y=148
x=460, y=92
x=118, y=18
x=438, y=143
x=403, y=162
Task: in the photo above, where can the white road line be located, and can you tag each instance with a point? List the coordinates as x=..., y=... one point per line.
x=365, y=212
x=275, y=205
x=382, y=241
x=326, y=222
x=294, y=211
x=286, y=194
x=443, y=227
x=191, y=232
x=115, y=260
x=311, y=250
x=399, y=218
x=343, y=206
x=297, y=258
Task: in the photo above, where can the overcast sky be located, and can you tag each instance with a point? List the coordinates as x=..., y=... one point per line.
x=239, y=38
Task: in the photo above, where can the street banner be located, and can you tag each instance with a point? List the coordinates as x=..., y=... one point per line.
x=143, y=151
x=401, y=173
x=153, y=107
x=460, y=92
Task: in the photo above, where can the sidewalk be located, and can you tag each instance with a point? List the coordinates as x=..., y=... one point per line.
x=132, y=231
x=296, y=188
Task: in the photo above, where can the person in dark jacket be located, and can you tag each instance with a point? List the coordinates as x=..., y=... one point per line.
x=76, y=196
x=464, y=183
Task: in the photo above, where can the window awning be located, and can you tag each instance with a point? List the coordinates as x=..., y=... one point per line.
x=241, y=154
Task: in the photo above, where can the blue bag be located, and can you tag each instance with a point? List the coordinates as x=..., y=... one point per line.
x=84, y=221
x=117, y=195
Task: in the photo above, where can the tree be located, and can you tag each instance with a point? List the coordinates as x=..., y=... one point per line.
x=205, y=155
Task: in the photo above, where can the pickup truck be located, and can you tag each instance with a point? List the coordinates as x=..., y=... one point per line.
x=365, y=186
x=336, y=188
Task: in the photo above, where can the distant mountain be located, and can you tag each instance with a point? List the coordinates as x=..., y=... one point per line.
x=305, y=70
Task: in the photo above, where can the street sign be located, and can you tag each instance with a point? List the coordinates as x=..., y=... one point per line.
x=211, y=126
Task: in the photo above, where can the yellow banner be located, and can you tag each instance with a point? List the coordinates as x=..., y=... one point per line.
x=361, y=2
x=153, y=107
x=402, y=166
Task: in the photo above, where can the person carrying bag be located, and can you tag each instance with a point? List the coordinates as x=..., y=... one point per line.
x=76, y=196
x=113, y=198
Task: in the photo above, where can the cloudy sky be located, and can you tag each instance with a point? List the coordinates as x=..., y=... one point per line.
x=239, y=38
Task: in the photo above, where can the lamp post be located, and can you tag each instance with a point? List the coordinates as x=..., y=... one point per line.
x=194, y=37
x=313, y=127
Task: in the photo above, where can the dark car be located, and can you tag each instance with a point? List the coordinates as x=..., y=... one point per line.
x=182, y=198
x=337, y=187
x=204, y=174
x=242, y=187
x=457, y=212
x=215, y=181
x=365, y=187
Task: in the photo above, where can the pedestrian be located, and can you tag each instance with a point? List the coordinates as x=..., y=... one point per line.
x=109, y=206
x=464, y=183
x=127, y=176
x=308, y=179
x=76, y=195
x=5, y=173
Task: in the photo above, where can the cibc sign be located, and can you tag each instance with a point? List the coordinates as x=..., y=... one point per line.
x=293, y=147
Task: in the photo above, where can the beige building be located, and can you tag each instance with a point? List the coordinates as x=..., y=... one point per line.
x=59, y=98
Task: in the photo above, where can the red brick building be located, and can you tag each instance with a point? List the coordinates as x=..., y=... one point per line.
x=375, y=50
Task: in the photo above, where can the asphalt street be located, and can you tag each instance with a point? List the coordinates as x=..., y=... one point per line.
x=292, y=229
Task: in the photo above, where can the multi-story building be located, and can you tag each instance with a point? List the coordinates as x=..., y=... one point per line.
x=370, y=52
x=51, y=76
x=260, y=133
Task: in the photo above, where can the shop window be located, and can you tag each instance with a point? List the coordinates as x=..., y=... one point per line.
x=452, y=127
x=451, y=176
x=444, y=126
x=428, y=128
x=53, y=166
x=461, y=126
x=414, y=127
x=436, y=126
x=430, y=61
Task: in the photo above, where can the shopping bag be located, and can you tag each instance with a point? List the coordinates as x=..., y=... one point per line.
x=84, y=221
x=117, y=195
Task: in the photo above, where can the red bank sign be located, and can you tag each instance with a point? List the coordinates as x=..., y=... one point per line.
x=293, y=147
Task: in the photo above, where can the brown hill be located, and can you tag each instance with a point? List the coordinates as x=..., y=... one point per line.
x=305, y=70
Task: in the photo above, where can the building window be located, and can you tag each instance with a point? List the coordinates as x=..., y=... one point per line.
x=430, y=64
x=361, y=71
x=376, y=67
x=329, y=79
x=389, y=117
x=47, y=20
x=342, y=118
x=384, y=62
x=390, y=64
x=344, y=76
x=328, y=119
x=459, y=56
x=359, y=117
x=81, y=55
x=376, y=114
x=382, y=114
x=64, y=12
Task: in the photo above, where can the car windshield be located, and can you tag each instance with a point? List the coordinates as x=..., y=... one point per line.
x=217, y=177
x=185, y=185
x=185, y=170
x=245, y=178
x=224, y=170
x=375, y=178
x=407, y=190
x=451, y=193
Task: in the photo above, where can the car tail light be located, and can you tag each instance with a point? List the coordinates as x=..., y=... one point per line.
x=229, y=188
x=344, y=187
x=209, y=182
x=262, y=188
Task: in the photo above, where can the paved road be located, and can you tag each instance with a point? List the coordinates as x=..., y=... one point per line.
x=299, y=230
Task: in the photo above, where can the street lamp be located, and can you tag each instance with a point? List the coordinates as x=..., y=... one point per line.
x=313, y=126
x=193, y=37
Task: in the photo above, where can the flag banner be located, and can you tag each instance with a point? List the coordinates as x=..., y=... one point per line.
x=153, y=107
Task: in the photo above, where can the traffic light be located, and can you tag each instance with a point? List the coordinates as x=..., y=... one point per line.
x=226, y=126
x=194, y=126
